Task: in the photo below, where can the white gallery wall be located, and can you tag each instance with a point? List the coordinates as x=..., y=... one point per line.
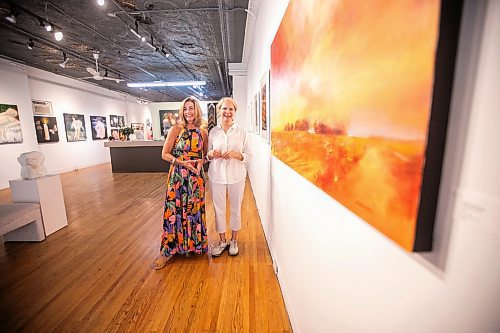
x=20, y=84
x=337, y=273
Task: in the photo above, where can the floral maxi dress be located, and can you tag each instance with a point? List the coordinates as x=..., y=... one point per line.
x=184, y=227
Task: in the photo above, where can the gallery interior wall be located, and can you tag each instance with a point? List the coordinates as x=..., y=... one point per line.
x=337, y=273
x=21, y=84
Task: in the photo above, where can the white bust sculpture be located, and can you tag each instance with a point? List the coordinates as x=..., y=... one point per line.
x=32, y=165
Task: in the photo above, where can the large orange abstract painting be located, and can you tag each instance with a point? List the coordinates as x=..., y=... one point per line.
x=352, y=104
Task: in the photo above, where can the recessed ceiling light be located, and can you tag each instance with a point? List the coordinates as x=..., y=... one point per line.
x=100, y=2
x=165, y=84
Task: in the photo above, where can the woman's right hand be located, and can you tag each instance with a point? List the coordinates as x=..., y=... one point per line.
x=189, y=165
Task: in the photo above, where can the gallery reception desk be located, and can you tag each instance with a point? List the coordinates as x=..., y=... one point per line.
x=137, y=156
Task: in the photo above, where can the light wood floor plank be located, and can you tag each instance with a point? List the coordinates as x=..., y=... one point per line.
x=95, y=275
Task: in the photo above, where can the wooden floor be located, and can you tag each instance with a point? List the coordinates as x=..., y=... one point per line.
x=95, y=274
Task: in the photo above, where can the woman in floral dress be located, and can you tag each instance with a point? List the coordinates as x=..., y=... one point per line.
x=184, y=227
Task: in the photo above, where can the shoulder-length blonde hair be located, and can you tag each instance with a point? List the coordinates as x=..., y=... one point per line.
x=228, y=100
x=197, y=111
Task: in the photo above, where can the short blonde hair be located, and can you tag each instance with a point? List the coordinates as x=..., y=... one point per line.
x=197, y=111
x=228, y=100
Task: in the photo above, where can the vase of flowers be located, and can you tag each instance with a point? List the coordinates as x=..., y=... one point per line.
x=126, y=131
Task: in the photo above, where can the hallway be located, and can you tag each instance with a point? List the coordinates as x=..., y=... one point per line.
x=95, y=275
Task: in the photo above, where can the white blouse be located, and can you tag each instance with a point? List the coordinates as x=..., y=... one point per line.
x=230, y=171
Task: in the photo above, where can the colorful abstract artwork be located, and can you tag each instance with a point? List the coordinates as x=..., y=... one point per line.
x=353, y=89
x=10, y=125
x=46, y=129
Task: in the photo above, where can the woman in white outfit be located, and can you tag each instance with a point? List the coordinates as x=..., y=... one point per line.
x=228, y=150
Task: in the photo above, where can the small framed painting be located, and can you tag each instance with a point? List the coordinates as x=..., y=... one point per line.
x=99, y=128
x=41, y=108
x=46, y=129
x=10, y=126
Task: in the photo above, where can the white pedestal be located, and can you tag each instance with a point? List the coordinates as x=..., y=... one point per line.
x=48, y=192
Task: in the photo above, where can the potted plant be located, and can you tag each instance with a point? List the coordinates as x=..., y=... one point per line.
x=126, y=131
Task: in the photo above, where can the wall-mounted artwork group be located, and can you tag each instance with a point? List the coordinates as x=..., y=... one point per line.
x=10, y=126
x=47, y=130
x=354, y=104
x=116, y=122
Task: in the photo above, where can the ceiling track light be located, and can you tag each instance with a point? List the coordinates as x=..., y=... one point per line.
x=12, y=16
x=31, y=45
x=48, y=27
x=165, y=53
x=58, y=35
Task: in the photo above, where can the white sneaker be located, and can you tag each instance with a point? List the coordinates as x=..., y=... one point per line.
x=219, y=249
x=233, y=248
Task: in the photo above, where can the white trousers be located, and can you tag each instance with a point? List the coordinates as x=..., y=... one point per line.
x=235, y=194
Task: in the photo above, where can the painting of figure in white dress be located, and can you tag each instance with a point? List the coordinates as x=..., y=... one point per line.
x=99, y=128
x=75, y=127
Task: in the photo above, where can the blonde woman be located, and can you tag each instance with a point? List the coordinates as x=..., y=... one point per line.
x=228, y=150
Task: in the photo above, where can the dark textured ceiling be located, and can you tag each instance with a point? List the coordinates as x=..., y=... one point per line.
x=200, y=38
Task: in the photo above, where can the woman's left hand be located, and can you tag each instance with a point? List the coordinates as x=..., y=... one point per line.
x=232, y=154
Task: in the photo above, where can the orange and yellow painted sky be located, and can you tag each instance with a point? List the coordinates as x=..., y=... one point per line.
x=366, y=64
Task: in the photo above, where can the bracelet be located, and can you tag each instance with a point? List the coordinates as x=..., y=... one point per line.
x=173, y=161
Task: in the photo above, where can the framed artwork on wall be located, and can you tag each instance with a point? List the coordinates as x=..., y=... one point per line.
x=366, y=98
x=10, y=125
x=250, y=117
x=115, y=133
x=256, y=113
x=99, y=127
x=138, y=130
x=113, y=120
x=75, y=127
x=212, y=115
x=41, y=108
x=149, y=129
x=264, y=107
x=46, y=129
x=168, y=118
x=116, y=121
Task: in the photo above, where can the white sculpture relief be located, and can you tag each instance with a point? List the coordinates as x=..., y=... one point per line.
x=32, y=165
